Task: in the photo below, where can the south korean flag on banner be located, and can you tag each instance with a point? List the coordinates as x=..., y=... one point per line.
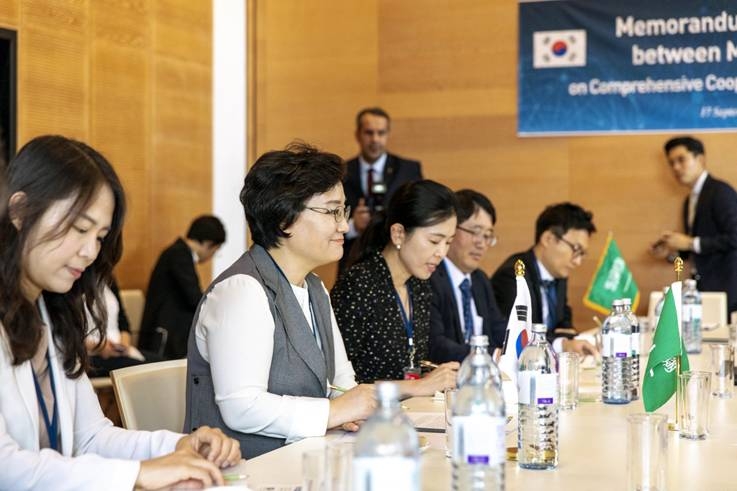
x=554, y=49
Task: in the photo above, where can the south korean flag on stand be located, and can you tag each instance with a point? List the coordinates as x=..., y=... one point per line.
x=555, y=49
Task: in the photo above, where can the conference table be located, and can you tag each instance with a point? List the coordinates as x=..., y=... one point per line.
x=592, y=447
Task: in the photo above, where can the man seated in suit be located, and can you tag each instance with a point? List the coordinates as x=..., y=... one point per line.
x=561, y=241
x=463, y=301
x=174, y=288
x=372, y=177
x=709, y=219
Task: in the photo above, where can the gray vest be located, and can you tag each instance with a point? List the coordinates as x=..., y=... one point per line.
x=298, y=367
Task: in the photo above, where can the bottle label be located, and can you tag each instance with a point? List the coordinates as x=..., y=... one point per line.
x=635, y=343
x=616, y=345
x=376, y=473
x=537, y=388
x=692, y=312
x=479, y=440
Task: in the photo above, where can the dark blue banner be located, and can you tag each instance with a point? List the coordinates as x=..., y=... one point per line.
x=608, y=66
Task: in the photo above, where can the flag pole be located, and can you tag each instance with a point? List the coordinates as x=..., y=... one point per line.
x=678, y=267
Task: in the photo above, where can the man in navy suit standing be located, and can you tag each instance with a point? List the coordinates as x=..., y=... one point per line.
x=709, y=221
x=463, y=301
x=373, y=176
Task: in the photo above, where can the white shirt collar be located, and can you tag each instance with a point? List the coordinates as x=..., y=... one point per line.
x=456, y=275
x=544, y=273
x=699, y=184
x=195, y=257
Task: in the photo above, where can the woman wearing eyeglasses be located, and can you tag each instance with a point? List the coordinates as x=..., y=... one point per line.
x=266, y=361
x=382, y=303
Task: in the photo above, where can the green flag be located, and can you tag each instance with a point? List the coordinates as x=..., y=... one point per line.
x=661, y=375
x=612, y=280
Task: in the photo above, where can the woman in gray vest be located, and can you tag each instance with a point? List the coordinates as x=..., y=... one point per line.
x=382, y=303
x=266, y=362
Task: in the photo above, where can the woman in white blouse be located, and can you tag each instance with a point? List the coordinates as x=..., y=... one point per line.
x=266, y=362
x=59, y=240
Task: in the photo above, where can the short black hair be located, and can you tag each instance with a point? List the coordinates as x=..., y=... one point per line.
x=376, y=111
x=470, y=201
x=278, y=185
x=562, y=217
x=207, y=227
x=692, y=145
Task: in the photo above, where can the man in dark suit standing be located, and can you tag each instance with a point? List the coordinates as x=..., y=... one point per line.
x=561, y=242
x=373, y=176
x=709, y=219
x=174, y=288
x=463, y=302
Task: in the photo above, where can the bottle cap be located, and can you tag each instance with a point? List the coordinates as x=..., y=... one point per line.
x=618, y=303
x=690, y=283
x=387, y=391
x=627, y=301
x=539, y=328
x=480, y=340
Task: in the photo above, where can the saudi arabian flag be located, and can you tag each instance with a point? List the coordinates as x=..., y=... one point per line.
x=612, y=280
x=661, y=375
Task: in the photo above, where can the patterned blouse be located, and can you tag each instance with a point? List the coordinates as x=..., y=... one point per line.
x=371, y=324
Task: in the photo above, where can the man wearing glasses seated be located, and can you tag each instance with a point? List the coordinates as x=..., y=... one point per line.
x=562, y=234
x=463, y=301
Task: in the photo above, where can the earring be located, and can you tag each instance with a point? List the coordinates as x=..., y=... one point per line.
x=398, y=246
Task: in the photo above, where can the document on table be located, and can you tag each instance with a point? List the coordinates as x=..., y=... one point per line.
x=427, y=422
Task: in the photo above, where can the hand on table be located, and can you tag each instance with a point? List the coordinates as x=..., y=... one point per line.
x=183, y=465
x=213, y=445
x=580, y=346
x=354, y=405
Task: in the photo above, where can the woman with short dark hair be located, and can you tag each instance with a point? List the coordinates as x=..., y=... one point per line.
x=382, y=303
x=60, y=236
x=266, y=361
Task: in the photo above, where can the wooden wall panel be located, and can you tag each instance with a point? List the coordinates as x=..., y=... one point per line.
x=446, y=72
x=132, y=79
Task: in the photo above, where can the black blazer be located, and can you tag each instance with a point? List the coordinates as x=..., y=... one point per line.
x=397, y=171
x=171, y=300
x=715, y=223
x=446, y=332
x=505, y=288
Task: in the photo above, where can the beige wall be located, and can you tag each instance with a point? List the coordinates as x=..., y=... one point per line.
x=133, y=79
x=446, y=72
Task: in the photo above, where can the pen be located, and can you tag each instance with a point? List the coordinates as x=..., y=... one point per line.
x=336, y=388
x=428, y=364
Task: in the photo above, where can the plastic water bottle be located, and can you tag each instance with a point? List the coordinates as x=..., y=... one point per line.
x=387, y=452
x=635, y=338
x=479, y=346
x=616, y=356
x=537, y=440
x=692, y=314
x=479, y=419
x=658, y=309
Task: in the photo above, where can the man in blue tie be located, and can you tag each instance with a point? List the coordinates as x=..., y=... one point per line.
x=463, y=301
x=562, y=234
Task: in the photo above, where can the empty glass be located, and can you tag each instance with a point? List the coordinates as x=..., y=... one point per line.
x=338, y=459
x=694, y=393
x=313, y=470
x=647, y=450
x=722, y=367
x=450, y=395
x=568, y=367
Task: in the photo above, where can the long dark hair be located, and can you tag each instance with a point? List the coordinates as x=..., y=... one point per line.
x=46, y=170
x=415, y=204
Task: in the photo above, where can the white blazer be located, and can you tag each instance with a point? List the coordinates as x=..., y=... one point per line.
x=94, y=455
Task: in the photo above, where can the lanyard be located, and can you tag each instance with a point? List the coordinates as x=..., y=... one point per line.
x=52, y=425
x=408, y=321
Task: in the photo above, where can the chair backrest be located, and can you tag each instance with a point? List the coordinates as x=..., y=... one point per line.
x=133, y=301
x=713, y=304
x=152, y=396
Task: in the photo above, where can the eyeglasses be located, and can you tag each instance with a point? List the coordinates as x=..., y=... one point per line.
x=487, y=236
x=340, y=213
x=578, y=251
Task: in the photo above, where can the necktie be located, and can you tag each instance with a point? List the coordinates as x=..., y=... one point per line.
x=370, y=182
x=465, y=287
x=552, y=296
x=692, y=200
